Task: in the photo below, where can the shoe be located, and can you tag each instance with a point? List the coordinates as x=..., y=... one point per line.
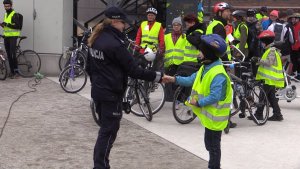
x=232, y=125
x=258, y=117
x=275, y=118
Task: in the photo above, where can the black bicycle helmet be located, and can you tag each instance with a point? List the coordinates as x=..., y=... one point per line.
x=251, y=12
x=239, y=13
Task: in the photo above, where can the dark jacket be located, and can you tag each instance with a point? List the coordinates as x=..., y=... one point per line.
x=194, y=37
x=109, y=64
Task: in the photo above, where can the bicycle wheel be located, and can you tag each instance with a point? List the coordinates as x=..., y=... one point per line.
x=156, y=94
x=96, y=115
x=143, y=102
x=182, y=113
x=29, y=63
x=64, y=60
x=258, y=104
x=3, y=70
x=81, y=59
x=72, y=79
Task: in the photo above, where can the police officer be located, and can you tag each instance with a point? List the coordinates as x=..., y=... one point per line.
x=211, y=94
x=11, y=32
x=109, y=65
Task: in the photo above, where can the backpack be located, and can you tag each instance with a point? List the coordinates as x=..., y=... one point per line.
x=279, y=34
x=19, y=21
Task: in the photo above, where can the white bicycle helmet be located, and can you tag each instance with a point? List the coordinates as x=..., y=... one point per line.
x=151, y=10
x=149, y=54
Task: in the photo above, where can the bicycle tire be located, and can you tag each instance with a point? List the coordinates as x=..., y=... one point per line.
x=156, y=94
x=256, y=92
x=95, y=114
x=180, y=97
x=81, y=59
x=29, y=63
x=143, y=103
x=66, y=82
x=3, y=70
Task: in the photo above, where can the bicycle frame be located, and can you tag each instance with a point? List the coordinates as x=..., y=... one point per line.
x=289, y=92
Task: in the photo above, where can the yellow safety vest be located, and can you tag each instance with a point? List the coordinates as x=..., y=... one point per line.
x=174, y=53
x=150, y=35
x=272, y=75
x=260, y=16
x=215, y=116
x=237, y=34
x=191, y=52
x=209, y=30
x=8, y=32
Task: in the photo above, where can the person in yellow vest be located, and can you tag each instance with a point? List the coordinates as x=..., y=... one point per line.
x=270, y=71
x=211, y=94
x=150, y=31
x=174, y=53
x=11, y=32
x=222, y=11
x=240, y=32
x=194, y=31
x=262, y=14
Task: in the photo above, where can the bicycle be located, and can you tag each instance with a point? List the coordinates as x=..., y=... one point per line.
x=249, y=94
x=155, y=91
x=289, y=92
x=3, y=68
x=182, y=113
x=82, y=52
x=72, y=74
x=29, y=62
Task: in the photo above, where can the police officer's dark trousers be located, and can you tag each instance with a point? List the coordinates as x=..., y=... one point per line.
x=111, y=114
x=10, y=47
x=212, y=140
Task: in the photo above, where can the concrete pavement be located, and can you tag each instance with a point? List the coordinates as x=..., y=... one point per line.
x=51, y=129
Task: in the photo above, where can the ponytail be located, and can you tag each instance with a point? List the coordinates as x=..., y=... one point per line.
x=98, y=30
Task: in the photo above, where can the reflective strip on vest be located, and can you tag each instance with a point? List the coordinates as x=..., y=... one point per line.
x=8, y=32
x=150, y=35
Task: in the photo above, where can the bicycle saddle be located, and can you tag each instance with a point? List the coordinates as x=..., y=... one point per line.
x=22, y=37
x=248, y=74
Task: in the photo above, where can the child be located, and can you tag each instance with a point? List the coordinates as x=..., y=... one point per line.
x=270, y=71
x=211, y=94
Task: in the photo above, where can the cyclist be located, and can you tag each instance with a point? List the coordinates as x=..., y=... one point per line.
x=274, y=15
x=211, y=94
x=11, y=32
x=240, y=32
x=270, y=71
x=174, y=53
x=295, y=53
x=109, y=65
x=222, y=11
x=151, y=31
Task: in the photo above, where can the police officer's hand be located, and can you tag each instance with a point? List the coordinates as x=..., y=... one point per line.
x=168, y=79
x=255, y=59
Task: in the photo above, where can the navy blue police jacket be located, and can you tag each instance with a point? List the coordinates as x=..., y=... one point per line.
x=109, y=64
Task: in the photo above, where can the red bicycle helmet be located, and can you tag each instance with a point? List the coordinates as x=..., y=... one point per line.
x=221, y=6
x=266, y=34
